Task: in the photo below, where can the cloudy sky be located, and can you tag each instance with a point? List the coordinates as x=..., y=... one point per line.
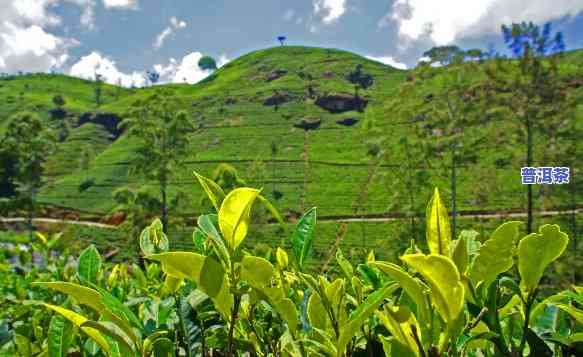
x=121, y=39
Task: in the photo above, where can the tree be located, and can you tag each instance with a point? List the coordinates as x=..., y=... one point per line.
x=281, y=39
x=452, y=108
x=30, y=143
x=530, y=90
x=360, y=80
x=164, y=136
x=444, y=55
x=136, y=205
x=153, y=76
x=59, y=101
x=207, y=63
x=97, y=89
x=475, y=54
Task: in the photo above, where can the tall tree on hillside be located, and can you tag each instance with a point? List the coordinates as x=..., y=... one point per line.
x=164, y=136
x=281, y=39
x=453, y=110
x=97, y=89
x=530, y=90
x=30, y=143
x=360, y=80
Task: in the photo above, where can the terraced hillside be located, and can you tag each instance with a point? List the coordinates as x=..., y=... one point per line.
x=287, y=119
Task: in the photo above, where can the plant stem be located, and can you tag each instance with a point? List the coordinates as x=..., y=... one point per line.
x=529, y=300
x=234, y=314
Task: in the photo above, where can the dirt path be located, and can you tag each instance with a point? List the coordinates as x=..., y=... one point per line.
x=57, y=221
x=460, y=215
x=363, y=218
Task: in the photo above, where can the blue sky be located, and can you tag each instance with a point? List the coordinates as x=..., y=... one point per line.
x=121, y=39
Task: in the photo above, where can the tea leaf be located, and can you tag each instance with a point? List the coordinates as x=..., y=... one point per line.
x=78, y=321
x=234, y=215
x=214, y=192
x=447, y=290
x=536, y=251
x=207, y=273
x=303, y=236
x=89, y=265
x=438, y=232
x=495, y=256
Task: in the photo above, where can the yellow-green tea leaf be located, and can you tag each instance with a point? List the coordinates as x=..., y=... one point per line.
x=447, y=290
x=495, y=256
x=536, y=251
x=234, y=215
x=78, y=320
x=208, y=274
x=438, y=231
x=413, y=287
x=282, y=258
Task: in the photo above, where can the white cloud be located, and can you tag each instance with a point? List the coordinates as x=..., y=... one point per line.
x=388, y=60
x=329, y=10
x=31, y=49
x=121, y=4
x=185, y=71
x=26, y=41
x=29, y=11
x=289, y=15
x=88, y=16
x=175, y=24
x=88, y=67
x=445, y=21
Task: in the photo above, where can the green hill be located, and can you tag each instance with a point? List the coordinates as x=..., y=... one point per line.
x=263, y=101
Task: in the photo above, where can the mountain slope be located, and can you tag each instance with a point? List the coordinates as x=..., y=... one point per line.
x=252, y=113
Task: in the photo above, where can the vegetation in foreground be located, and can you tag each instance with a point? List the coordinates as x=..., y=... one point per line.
x=460, y=297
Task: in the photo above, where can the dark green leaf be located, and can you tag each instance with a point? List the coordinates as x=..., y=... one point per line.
x=303, y=236
x=89, y=265
x=60, y=336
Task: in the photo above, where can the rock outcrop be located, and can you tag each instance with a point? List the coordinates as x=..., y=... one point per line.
x=108, y=120
x=341, y=102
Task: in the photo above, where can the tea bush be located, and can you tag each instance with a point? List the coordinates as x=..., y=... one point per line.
x=459, y=298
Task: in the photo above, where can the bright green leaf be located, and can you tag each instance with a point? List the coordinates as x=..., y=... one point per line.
x=60, y=336
x=89, y=265
x=110, y=331
x=153, y=239
x=495, y=256
x=214, y=192
x=208, y=274
x=415, y=288
x=359, y=316
x=78, y=320
x=303, y=236
x=536, y=251
x=344, y=264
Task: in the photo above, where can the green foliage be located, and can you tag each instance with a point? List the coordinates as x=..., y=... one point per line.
x=438, y=233
x=225, y=300
x=303, y=237
x=207, y=63
x=89, y=265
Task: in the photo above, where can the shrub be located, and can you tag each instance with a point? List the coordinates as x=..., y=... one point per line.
x=463, y=296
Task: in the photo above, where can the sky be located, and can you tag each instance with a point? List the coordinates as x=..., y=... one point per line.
x=122, y=39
